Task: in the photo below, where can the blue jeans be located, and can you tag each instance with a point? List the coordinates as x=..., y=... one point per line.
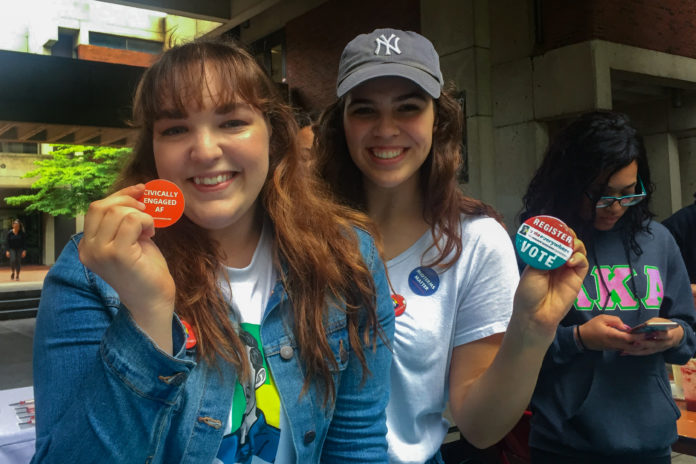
x=15, y=260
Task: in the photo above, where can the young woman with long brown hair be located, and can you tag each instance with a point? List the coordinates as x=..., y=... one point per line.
x=390, y=146
x=291, y=307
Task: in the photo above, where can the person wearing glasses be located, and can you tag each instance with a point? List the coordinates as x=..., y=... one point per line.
x=603, y=394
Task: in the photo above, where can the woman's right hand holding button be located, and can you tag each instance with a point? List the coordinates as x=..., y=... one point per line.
x=117, y=245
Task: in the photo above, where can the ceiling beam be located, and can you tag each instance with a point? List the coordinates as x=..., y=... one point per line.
x=210, y=10
x=56, y=90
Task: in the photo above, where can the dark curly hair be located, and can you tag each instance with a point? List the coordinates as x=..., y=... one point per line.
x=590, y=150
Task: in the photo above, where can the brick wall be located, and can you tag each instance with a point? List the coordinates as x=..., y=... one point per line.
x=114, y=55
x=314, y=42
x=662, y=25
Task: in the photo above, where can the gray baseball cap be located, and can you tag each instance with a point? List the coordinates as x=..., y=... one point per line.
x=390, y=52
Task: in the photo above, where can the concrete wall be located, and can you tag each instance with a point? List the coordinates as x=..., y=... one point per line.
x=536, y=85
x=13, y=166
x=529, y=92
x=663, y=158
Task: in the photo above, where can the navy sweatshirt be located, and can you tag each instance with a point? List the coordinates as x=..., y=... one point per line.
x=600, y=402
x=682, y=224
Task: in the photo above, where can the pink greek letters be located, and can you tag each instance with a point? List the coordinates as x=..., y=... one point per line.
x=613, y=291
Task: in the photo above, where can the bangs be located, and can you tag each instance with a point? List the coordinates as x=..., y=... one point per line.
x=182, y=78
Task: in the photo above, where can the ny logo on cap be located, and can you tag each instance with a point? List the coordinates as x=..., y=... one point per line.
x=388, y=46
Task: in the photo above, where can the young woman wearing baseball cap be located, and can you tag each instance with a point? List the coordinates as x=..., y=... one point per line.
x=390, y=146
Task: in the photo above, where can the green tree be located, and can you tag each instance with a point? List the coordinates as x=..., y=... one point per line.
x=71, y=179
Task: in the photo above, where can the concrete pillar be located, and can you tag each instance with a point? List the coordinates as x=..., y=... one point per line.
x=79, y=223
x=687, y=167
x=49, y=256
x=519, y=140
x=464, y=48
x=519, y=150
x=663, y=157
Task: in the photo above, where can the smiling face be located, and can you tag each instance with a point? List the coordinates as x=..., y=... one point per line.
x=388, y=125
x=218, y=154
x=622, y=182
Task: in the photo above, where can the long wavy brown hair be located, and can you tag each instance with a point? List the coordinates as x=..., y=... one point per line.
x=443, y=199
x=316, y=250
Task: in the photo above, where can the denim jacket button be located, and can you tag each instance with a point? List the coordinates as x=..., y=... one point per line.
x=309, y=437
x=286, y=352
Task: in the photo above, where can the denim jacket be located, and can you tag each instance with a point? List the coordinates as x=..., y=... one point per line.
x=106, y=393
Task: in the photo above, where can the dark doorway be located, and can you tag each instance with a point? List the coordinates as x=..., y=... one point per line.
x=64, y=228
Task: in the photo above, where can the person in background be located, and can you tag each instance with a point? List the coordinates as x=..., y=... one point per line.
x=16, y=248
x=255, y=329
x=603, y=395
x=390, y=146
x=682, y=225
x=305, y=136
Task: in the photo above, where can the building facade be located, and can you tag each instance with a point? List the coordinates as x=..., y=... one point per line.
x=522, y=68
x=114, y=36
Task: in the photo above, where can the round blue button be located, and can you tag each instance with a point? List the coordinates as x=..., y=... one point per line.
x=423, y=281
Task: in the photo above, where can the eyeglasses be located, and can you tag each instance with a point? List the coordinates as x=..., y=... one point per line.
x=626, y=200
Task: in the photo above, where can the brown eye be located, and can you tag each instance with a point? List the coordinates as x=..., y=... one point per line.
x=176, y=130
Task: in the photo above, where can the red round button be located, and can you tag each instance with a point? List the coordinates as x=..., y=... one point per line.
x=163, y=201
x=399, y=304
x=190, y=335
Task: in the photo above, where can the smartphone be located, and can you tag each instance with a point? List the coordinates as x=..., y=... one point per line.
x=653, y=326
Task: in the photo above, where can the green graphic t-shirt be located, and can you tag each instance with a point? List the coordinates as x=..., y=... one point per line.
x=253, y=431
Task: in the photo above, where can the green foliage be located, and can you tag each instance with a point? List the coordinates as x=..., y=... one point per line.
x=74, y=177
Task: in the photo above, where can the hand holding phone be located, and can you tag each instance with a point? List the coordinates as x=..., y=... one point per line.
x=653, y=326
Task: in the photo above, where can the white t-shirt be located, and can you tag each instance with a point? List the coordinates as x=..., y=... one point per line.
x=256, y=431
x=469, y=301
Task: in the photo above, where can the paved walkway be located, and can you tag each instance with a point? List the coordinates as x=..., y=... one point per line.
x=31, y=277
x=16, y=336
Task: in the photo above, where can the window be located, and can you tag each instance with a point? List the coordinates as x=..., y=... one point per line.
x=65, y=46
x=19, y=147
x=270, y=52
x=125, y=43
